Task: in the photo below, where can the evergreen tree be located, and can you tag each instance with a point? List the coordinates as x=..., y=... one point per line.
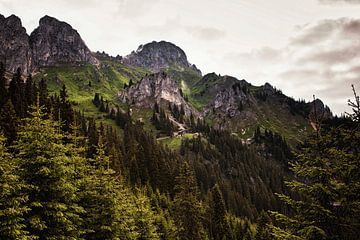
x=329, y=185
x=9, y=121
x=43, y=94
x=29, y=93
x=96, y=100
x=262, y=230
x=3, y=90
x=66, y=111
x=188, y=208
x=16, y=90
x=219, y=225
x=12, y=198
x=93, y=138
x=49, y=172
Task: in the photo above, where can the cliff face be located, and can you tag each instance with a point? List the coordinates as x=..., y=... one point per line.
x=14, y=45
x=159, y=55
x=155, y=88
x=52, y=43
x=55, y=42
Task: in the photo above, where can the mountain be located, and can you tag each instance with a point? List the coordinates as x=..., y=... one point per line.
x=15, y=48
x=157, y=56
x=236, y=105
x=161, y=74
x=156, y=88
x=54, y=43
x=154, y=112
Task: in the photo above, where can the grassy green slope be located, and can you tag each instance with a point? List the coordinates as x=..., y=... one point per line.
x=109, y=78
x=82, y=82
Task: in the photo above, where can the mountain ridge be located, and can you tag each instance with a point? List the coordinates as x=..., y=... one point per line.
x=52, y=43
x=223, y=101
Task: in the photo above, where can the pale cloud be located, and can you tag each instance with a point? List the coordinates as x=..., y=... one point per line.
x=322, y=59
x=206, y=33
x=175, y=25
x=135, y=8
x=339, y=1
x=220, y=35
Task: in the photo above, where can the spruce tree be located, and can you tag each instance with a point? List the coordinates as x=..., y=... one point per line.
x=50, y=173
x=66, y=111
x=16, y=90
x=3, y=90
x=328, y=182
x=219, y=225
x=188, y=208
x=9, y=121
x=12, y=198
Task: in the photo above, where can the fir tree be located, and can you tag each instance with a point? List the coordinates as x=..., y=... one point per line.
x=50, y=174
x=189, y=210
x=219, y=225
x=12, y=198
x=329, y=185
x=9, y=121
x=3, y=90
x=66, y=111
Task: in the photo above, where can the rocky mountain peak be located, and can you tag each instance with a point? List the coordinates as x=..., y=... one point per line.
x=14, y=21
x=55, y=42
x=51, y=21
x=159, y=55
x=14, y=44
x=155, y=88
x=319, y=111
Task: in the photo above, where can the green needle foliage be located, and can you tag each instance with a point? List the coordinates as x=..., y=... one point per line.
x=49, y=173
x=328, y=182
x=188, y=208
x=12, y=198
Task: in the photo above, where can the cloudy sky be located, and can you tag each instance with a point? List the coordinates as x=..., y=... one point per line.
x=302, y=47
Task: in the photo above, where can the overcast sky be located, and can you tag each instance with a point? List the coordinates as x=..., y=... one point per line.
x=302, y=47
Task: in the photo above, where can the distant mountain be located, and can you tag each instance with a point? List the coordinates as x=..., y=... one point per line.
x=161, y=74
x=55, y=42
x=15, y=48
x=157, y=56
x=52, y=43
x=236, y=105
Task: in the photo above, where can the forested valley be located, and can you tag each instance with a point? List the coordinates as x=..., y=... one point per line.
x=67, y=176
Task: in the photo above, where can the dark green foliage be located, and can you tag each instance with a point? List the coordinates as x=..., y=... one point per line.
x=162, y=122
x=45, y=167
x=262, y=230
x=43, y=95
x=66, y=111
x=188, y=209
x=275, y=145
x=220, y=228
x=8, y=121
x=3, y=90
x=328, y=182
x=222, y=158
x=93, y=138
x=13, y=199
x=16, y=92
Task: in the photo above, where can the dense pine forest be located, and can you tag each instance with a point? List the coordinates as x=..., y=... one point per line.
x=67, y=176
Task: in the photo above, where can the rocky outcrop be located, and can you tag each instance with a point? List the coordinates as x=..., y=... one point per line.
x=14, y=45
x=155, y=88
x=55, y=43
x=159, y=55
x=105, y=56
x=229, y=96
x=319, y=111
